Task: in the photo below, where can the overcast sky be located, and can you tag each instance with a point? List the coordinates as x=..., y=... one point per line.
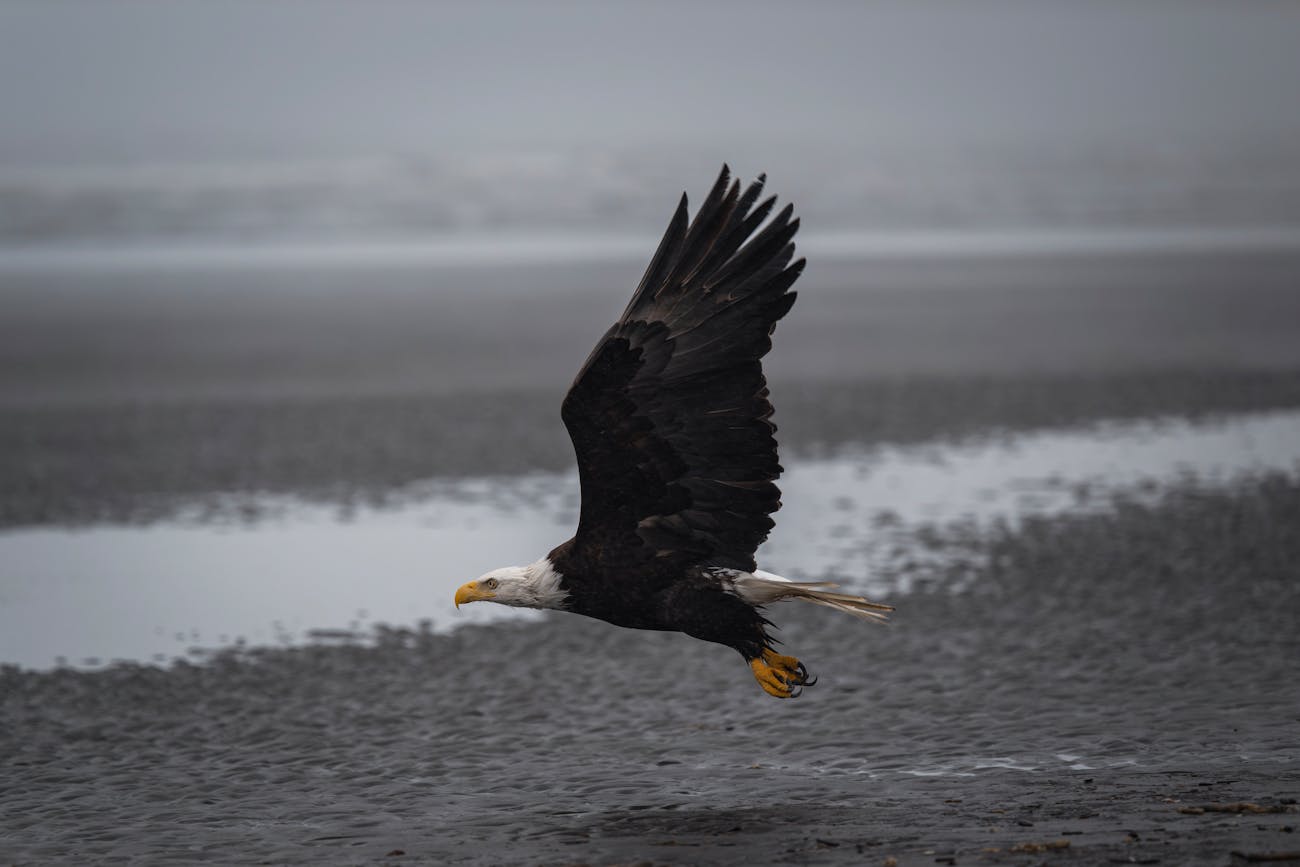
x=87, y=80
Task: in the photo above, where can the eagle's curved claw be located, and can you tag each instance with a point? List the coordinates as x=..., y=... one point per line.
x=780, y=676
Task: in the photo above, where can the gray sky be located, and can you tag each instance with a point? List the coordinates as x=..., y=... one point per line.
x=87, y=80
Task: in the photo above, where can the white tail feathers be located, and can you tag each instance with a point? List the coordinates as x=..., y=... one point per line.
x=762, y=588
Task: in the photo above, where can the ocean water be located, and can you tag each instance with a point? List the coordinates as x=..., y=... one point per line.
x=886, y=521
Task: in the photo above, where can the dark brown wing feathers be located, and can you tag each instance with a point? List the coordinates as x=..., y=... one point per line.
x=670, y=415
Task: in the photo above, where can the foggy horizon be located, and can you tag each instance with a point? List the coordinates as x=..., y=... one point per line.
x=146, y=123
x=143, y=81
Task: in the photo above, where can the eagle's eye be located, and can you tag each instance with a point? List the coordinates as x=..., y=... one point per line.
x=492, y=583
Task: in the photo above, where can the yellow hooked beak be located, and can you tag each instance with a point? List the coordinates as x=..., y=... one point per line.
x=472, y=592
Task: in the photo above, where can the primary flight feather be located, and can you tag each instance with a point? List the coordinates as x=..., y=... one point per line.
x=677, y=458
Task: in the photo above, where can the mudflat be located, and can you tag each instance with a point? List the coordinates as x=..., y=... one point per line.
x=1114, y=688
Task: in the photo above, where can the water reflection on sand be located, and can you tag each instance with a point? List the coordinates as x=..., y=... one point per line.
x=884, y=521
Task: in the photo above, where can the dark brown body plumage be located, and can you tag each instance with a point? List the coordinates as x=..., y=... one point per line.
x=670, y=420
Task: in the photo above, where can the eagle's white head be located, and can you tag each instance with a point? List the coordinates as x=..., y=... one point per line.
x=536, y=585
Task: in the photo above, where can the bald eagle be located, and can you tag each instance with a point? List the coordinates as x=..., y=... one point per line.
x=677, y=461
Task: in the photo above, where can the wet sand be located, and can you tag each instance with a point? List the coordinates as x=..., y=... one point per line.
x=126, y=396
x=1107, y=688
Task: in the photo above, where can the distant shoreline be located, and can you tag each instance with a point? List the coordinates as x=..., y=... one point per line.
x=513, y=247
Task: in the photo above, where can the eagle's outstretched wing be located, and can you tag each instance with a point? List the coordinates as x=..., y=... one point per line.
x=670, y=415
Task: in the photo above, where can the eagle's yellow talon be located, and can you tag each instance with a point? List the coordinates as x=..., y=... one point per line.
x=778, y=675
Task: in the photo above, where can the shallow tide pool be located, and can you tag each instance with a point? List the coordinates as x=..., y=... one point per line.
x=307, y=572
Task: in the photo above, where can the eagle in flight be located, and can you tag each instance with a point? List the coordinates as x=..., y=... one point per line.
x=670, y=420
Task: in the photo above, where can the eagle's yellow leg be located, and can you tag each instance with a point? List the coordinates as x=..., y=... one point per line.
x=780, y=676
